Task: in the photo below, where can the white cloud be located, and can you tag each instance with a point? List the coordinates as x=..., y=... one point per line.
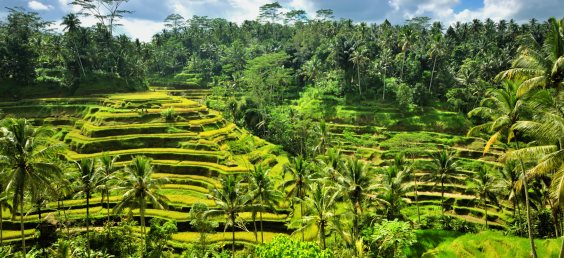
x=38, y=6
x=141, y=28
x=493, y=9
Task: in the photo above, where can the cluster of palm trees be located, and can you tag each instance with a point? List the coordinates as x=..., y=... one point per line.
x=527, y=115
x=31, y=169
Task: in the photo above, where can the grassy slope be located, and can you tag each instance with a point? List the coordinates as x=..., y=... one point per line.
x=489, y=244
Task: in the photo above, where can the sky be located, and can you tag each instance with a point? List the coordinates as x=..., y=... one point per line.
x=148, y=15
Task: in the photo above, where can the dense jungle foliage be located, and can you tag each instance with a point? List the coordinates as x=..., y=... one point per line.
x=396, y=140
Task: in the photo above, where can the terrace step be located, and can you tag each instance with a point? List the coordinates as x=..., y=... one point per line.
x=157, y=153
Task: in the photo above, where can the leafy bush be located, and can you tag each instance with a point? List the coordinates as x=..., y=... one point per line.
x=169, y=114
x=283, y=246
x=390, y=238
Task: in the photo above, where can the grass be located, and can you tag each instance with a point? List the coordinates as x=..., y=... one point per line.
x=492, y=244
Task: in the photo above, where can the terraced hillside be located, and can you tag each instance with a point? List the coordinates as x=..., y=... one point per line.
x=376, y=132
x=189, y=144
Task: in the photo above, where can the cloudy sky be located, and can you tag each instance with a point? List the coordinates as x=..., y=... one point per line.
x=148, y=15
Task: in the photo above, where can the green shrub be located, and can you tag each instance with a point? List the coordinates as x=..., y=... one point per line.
x=283, y=246
x=169, y=115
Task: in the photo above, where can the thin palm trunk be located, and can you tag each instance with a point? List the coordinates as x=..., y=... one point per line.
x=88, y=223
x=359, y=87
x=417, y=201
x=233, y=235
x=301, y=218
x=108, y=207
x=443, y=201
x=21, y=220
x=261, y=230
x=432, y=72
x=527, y=206
x=384, y=88
x=486, y=210
x=561, y=254
x=322, y=234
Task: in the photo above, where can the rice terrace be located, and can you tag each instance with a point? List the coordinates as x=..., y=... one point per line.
x=286, y=129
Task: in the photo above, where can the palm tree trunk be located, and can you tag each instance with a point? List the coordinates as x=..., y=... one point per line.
x=261, y=230
x=301, y=218
x=530, y=229
x=384, y=88
x=486, y=210
x=561, y=254
x=443, y=202
x=322, y=235
x=233, y=235
x=359, y=87
x=417, y=201
x=88, y=223
x=108, y=207
x=432, y=72
x=21, y=221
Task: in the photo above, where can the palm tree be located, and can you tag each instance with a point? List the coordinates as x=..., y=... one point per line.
x=106, y=175
x=300, y=183
x=87, y=168
x=503, y=108
x=484, y=185
x=320, y=204
x=395, y=188
x=26, y=153
x=140, y=187
x=358, y=58
x=444, y=168
x=539, y=66
x=357, y=186
x=434, y=53
x=230, y=200
x=261, y=189
x=509, y=178
x=4, y=203
x=323, y=136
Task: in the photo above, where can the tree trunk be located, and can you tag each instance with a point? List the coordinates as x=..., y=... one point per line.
x=22, y=221
x=359, y=87
x=301, y=218
x=233, y=235
x=432, y=72
x=417, y=201
x=88, y=223
x=527, y=206
x=443, y=202
x=486, y=210
x=322, y=235
x=561, y=254
x=254, y=215
x=261, y=230
x=384, y=87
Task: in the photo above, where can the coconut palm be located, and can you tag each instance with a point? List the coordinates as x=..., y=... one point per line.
x=299, y=183
x=261, y=190
x=394, y=189
x=484, y=185
x=507, y=184
x=358, y=58
x=444, y=168
x=503, y=108
x=320, y=205
x=539, y=66
x=106, y=175
x=357, y=186
x=87, y=184
x=139, y=187
x=323, y=137
x=27, y=157
x=230, y=200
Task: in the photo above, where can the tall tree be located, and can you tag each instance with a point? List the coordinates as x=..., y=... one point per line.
x=106, y=175
x=503, y=108
x=106, y=12
x=358, y=58
x=87, y=185
x=320, y=204
x=27, y=154
x=484, y=185
x=445, y=167
x=140, y=187
x=230, y=199
x=262, y=190
x=302, y=176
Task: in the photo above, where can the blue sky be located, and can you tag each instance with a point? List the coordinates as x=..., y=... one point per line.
x=148, y=15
